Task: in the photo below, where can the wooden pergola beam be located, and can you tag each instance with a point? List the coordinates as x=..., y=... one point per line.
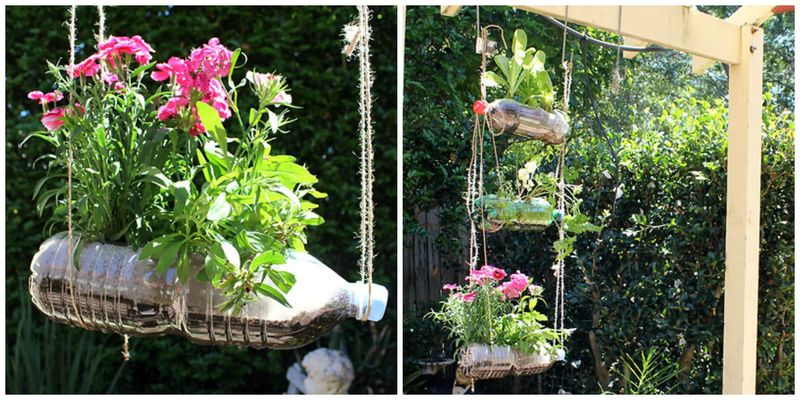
x=677, y=27
x=745, y=15
x=449, y=11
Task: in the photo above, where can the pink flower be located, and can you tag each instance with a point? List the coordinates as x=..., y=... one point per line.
x=469, y=297
x=109, y=78
x=196, y=129
x=196, y=78
x=282, y=97
x=517, y=284
x=87, y=67
x=45, y=98
x=116, y=46
x=53, y=119
x=213, y=59
x=450, y=286
x=486, y=273
x=170, y=109
x=260, y=80
x=174, y=67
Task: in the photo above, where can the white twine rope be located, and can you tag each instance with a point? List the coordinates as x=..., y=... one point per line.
x=70, y=266
x=367, y=241
x=101, y=24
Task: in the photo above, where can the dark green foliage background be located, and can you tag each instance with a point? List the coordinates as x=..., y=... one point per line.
x=654, y=278
x=302, y=43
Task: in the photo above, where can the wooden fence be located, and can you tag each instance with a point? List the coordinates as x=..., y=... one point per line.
x=425, y=267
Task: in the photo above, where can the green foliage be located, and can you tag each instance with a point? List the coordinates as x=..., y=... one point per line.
x=650, y=373
x=304, y=44
x=523, y=76
x=651, y=163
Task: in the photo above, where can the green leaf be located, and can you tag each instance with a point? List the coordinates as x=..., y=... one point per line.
x=182, y=191
x=234, y=58
x=154, y=175
x=520, y=41
x=267, y=258
x=210, y=119
x=166, y=257
x=219, y=210
x=282, y=279
x=231, y=254
x=157, y=245
x=138, y=71
x=272, y=293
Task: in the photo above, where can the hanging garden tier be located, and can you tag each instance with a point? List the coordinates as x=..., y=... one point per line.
x=480, y=361
x=111, y=290
x=515, y=214
x=509, y=116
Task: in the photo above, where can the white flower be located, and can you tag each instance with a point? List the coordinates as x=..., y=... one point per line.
x=531, y=166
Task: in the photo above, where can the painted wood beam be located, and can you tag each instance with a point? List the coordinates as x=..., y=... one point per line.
x=677, y=27
x=743, y=216
x=745, y=15
x=449, y=11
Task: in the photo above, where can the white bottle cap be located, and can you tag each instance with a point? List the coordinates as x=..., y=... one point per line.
x=374, y=302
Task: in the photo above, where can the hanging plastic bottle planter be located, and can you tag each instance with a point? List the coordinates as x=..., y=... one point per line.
x=509, y=116
x=216, y=224
x=515, y=214
x=527, y=95
x=112, y=290
x=479, y=361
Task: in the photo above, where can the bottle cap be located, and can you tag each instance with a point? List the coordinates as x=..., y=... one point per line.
x=374, y=303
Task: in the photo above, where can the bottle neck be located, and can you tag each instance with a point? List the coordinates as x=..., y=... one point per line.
x=368, y=301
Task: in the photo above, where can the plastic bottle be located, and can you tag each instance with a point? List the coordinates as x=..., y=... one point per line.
x=512, y=117
x=535, y=214
x=114, y=291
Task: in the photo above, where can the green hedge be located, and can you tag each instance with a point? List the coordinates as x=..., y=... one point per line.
x=302, y=43
x=652, y=157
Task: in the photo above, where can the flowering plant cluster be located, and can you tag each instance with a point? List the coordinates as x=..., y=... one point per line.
x=154, y=168
x=495, y=308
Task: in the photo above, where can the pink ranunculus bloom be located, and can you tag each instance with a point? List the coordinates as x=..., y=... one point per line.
x=469, y=297
x=213, y=59
x=516, y=284
x=119, y=45
x=282, y=97
x=87, y=67
x=450, y=286
x=53, y=119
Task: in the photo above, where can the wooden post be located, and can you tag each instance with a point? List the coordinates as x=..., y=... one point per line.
x=743, y=214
